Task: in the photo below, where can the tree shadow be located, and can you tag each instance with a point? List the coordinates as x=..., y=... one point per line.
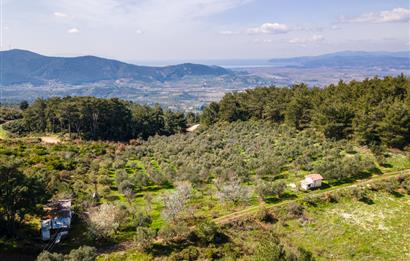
x=386, y=165
x=375, y=170
x=362, y=175
x=325, y=185
x=396, y=194
x=112, y=197
x=273, y=200
x=367, y=200
x=158, y=250
x=157, y=188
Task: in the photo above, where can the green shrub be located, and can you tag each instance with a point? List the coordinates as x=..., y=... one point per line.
x=208, y=232
x=265, y=215
x=144, y=238
x=83, y=253
x=47, y=256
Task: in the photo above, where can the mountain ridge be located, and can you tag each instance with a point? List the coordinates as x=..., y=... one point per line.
x=348, y=59
x=22, y=66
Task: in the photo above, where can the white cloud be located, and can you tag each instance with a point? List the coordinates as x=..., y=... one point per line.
x=269, y=28
x=73, y=30
x=262, y=40
x=303, y=41
x=148, y=11
x=59, y=14
x=227, y=32
x=335, y=27
x=396, y=15
x=139, y=31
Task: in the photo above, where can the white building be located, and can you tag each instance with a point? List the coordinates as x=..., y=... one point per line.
x=311, y=181
x=58, y=219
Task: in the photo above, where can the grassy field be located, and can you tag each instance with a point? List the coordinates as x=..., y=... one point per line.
x=3, y=133
x=353, y=230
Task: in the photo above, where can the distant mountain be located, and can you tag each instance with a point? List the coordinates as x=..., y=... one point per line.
x=349, y=59
x=20, y=66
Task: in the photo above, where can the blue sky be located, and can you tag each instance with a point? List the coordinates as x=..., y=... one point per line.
x=204, y=29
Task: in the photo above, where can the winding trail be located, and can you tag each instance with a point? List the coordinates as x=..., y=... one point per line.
x=254, y=209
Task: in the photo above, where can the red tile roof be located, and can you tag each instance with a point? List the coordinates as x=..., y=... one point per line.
x=314, y=177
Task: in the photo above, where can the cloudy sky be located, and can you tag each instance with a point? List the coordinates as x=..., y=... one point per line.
x=204, y=29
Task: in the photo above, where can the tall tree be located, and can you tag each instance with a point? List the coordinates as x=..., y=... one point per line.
x=19, y=194
x=395, y=126
x=299, y=109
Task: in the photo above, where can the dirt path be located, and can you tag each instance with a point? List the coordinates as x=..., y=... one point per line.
x=252, y=210
x=50, y=139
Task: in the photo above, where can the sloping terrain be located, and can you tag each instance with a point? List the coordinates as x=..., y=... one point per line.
x=21, y=66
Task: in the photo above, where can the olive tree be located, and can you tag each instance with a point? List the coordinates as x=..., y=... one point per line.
x=175, y=202
x=105, y=220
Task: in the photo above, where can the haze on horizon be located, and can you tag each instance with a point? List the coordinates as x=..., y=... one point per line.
x=204, y=29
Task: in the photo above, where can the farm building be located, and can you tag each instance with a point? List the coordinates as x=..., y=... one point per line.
x=311, y=181
x=57, y=221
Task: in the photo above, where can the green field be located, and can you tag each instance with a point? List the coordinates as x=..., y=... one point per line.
x=354, y=230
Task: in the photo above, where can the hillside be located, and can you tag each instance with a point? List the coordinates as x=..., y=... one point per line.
x=143, y=188
x=22, y=66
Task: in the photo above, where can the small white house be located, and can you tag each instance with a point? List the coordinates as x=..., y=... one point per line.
x=311, y=181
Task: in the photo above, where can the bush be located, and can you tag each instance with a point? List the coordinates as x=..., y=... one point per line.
x=269, y=249
x=358, y=193
x=295, y=210
x=142, y=219
x=174, y=232
x=304, y=255
x=144, y=238
x=311, y=201
x=47, y=256
x=406, y=185
x=208, y=232
x=265, y=215
x=189, y=253
x=83, y=253
x=330, y=197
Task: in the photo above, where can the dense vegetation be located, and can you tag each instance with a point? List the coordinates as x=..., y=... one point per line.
x=374, y=111
x=166, y=195
x=9, y=114
x=166, y=185
x=93, y=118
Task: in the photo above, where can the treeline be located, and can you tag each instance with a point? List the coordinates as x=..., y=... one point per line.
x=374, y=111
x=9, y=114
x=95, y=118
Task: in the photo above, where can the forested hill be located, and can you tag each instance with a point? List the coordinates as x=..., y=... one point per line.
x=21, y=66
x=374, y=111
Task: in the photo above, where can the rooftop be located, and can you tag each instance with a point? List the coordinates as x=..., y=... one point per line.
x=314, y=177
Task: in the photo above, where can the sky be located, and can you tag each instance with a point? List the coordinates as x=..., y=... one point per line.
x=136, y=30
